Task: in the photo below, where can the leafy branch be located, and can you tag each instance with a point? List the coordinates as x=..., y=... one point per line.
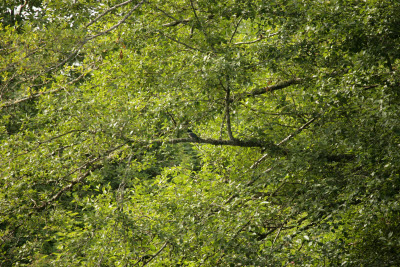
x=76, y=50
x=80, y=178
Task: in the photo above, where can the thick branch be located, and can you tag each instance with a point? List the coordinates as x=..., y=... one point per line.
x=271, y=88
x=267, y=89
x=236, y=142
x=177, y=22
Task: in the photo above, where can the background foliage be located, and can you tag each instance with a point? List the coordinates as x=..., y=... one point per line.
x=296, y=104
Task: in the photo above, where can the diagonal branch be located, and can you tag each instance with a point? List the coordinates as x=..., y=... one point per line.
x=157, y=253
x=261, y=37
x=271, y=88
x=65, y=189
x=283, y=141
x=279, y=231
x=236, y=28
x=39, y=143
x=268, y=88
x=179, y=42
x=28, y=55
x=197, y=18
x=283, y=84
x=296, y=132
x=107, y=11
x=116, y=25
x=201, y=26
x=166, y=14
x=175, y=20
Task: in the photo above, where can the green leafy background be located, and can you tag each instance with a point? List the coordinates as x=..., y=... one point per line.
x=296, y=104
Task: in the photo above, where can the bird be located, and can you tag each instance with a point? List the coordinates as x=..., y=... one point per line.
x=192, y=135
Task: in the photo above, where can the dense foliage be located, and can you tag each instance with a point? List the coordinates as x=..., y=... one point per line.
x=296, y=105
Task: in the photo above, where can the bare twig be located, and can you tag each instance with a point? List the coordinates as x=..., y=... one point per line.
x=197, y=18
x=296, y=132
x=255, y=179
x=279, y=231
x=80, y=44
x=283, y=141
x=166, y=14
x=179, y=42
x=172, y=117
x=31, y=53
x=39, y=143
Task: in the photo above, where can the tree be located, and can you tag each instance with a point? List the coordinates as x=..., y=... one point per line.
x=295, y=103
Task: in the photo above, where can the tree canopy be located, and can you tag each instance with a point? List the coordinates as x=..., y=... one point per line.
x=296, y=106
